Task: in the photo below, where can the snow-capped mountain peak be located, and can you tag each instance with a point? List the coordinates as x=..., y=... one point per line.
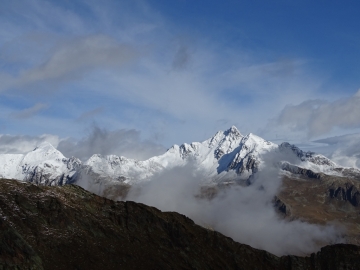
x=233, y=132
x=46, y=146
x=44, y=151
x=44, y=165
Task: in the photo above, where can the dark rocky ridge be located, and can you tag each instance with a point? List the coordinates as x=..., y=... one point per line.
x=69, y=228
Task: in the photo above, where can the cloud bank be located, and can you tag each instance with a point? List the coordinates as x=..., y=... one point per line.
x=121, y=142
x=21, y=144
x=245, y=213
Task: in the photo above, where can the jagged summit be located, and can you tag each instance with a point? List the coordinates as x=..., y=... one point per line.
x=233, y=131
x=300, y=153
x=308, y=156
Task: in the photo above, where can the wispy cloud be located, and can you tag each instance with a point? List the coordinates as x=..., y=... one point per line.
x=90, y=114
x=182, y=57
x=318, y=117
x=71, y=60
x=344, y=150
x=29, y=112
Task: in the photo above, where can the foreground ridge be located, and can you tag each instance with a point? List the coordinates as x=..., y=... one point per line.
x=69, y=228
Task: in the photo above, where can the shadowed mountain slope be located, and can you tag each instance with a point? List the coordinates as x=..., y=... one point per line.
x=69, y=228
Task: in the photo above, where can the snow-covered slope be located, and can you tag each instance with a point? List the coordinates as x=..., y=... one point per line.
x=44, y=165
x=228, y=155
x=317, y=163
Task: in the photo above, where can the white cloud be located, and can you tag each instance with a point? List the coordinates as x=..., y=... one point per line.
x=344, y=150
x=123, y=142
x=126, y=143
x=22, y=144
x=319, y=117
x=246, y=214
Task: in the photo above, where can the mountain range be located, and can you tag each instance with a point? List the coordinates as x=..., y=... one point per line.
x=314, y=189
x=227, y=157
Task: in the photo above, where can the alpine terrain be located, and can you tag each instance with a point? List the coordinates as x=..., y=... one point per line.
x=314, y=188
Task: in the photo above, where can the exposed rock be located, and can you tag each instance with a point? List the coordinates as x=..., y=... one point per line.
x=337, y=257
x=309, y=156
x=300, y=171
x=281, y=207
x=347, y=193
x=328, y=199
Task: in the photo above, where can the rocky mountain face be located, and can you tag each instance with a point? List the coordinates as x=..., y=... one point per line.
x=314, y=163
x=69, y=228
x=322, y=199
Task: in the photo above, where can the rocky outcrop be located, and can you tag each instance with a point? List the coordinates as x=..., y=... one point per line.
x=306, y=156
x=330, y=199
x=300, y=171
x=69, y=228
x=347, y=193
x=281, y=207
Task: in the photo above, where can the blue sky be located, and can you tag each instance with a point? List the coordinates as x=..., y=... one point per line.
x=178, y=71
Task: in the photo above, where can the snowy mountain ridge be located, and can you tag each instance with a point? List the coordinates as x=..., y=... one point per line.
x=227, y=155
x=44, y=165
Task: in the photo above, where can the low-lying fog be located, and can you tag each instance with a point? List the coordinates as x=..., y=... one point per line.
x=245, y=213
